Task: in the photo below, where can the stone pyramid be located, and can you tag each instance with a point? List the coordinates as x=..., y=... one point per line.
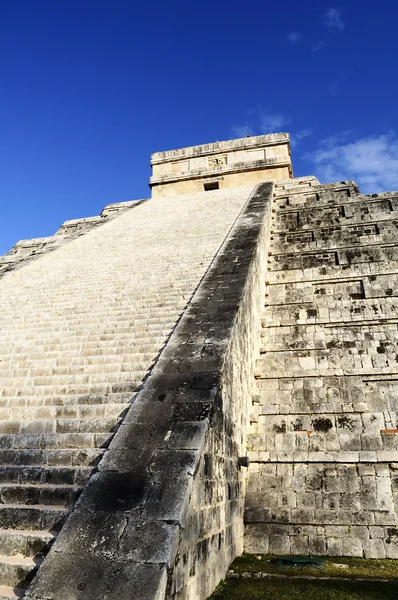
x=208, y=370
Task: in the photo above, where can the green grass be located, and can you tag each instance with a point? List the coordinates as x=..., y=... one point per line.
x=271, y=589
x=358, y=567
x=294, y=589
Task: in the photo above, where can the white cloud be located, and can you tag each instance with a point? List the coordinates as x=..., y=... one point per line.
x=293, y=37
x=333, y=20
x=261, y=121
x=240, y=131
x=272, y=122
x=318, y=47
x=295, y=138
x=370, y=161
x=334, y=88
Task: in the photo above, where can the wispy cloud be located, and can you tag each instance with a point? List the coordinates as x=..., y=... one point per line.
x=270, y=122
x=333, y=20
x=295, y=138
x=260, y=121
x=293, y=37
x=240, y=131
x=318, y=47
x=334, y=88
x=371, y=161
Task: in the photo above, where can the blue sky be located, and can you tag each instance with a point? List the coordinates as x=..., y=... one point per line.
x=90, y=89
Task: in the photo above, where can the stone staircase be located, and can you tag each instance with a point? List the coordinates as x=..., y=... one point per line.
x=57, y=416
x=25, y=251
x=80, y=329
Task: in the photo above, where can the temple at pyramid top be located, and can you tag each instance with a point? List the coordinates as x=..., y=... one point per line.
x=228, y=164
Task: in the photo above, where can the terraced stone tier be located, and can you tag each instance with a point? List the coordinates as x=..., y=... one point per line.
x=81, y=327
x=323, y=438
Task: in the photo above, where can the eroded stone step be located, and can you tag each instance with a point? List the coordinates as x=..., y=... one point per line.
x=58, y=426
x=11, y=592
x=153, y=335
x=71, y=379
x=140, y=357
x=27, y=542
x=77, y=349
x=15, y=569
x=77, y=411
x=45, y=475
x=61, y=457
x=73, y=389
x=31, y=441
x=83, y=373
x=43, y=494
x=66, y=400
x=22, y=516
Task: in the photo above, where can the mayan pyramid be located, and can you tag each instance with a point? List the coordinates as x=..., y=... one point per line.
x=209, y=370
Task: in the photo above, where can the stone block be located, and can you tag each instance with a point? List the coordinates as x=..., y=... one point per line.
x=352, y=546
x=92, y=533
x=279, y=544
x=149, y=542
x=334, y=546
x=299, y=544
x=116, y=492
x=374, y=548
x=317, y=545
x=188, y=435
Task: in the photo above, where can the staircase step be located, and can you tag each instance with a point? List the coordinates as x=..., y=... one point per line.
x=48, y=426
x=105, y=425
x=68, y=400
x=11, y=593
x=41, y=382
x=73, y=388
x=100, y=370
x=149, y=345
x=68, y=364
x=39, y=441
x=21, y=516
x=15, y=569
x=44, y=494
x=45, y=475
x=77, y=411
x=53, y=441
x=61, y=458
x=27, y=542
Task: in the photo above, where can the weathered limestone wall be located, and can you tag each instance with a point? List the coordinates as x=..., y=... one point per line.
x=324, y=437
x=163, y=518
x=229, y=164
